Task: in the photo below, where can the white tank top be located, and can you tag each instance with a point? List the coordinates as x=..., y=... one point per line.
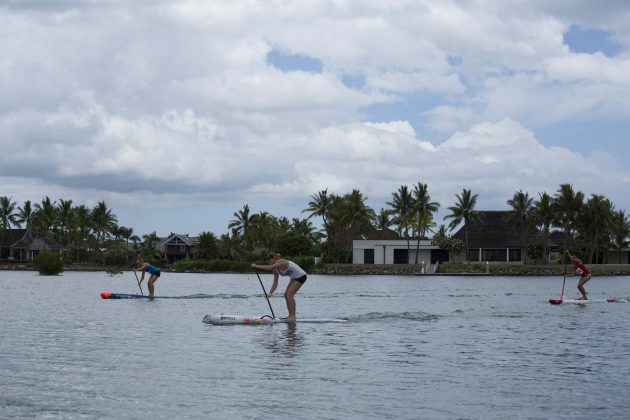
x=294, y=271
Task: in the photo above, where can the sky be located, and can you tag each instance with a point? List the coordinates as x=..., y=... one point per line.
x=178, y=113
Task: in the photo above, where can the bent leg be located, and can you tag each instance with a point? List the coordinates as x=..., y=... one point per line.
x=581, y=284
x=289, y=296
x=152, y=280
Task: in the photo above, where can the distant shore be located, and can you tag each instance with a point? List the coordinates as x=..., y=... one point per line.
x=468, y=269
x=471, y=269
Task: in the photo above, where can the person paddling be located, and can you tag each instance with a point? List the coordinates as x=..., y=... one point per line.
x=154, y=272
x=282, y=267
x=580, y=270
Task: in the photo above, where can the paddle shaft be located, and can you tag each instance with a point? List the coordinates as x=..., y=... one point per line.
x=138, y=280
x=263, y=287
x=564, y=276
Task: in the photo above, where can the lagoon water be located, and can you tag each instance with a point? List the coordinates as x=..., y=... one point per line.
x=415, y=348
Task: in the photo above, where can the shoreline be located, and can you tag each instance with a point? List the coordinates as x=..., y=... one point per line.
x=493, y=270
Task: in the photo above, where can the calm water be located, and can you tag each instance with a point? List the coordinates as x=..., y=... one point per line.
x=416, y=347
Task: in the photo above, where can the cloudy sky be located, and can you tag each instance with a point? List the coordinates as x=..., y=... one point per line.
x=177, y=113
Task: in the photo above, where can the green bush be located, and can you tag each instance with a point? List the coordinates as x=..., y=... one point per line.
x=48, y=263
x=113, y=271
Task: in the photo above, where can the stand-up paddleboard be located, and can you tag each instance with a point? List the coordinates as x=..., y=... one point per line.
x=262, y=320
x=583, y=301
x=111, y=295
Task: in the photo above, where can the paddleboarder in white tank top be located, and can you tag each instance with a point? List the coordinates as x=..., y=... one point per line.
x=282, y=267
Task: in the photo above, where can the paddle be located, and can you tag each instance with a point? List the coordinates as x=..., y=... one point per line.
x=263, y=287
x=138, y=280
x=564, y=277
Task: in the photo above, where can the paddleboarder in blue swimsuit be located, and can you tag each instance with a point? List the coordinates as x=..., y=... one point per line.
x=282, y=267
x=152, y=270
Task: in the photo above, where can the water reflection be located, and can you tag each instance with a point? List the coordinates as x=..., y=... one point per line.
x=284, y=340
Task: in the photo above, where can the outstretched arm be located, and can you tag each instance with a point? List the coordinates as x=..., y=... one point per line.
x=272, y=267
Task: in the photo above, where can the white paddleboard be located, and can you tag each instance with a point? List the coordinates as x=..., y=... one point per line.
x=583, y=301
x=262, y=320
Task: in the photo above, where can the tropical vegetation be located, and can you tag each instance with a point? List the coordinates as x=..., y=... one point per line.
x=590, y=226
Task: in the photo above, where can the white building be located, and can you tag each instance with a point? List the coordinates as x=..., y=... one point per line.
x=387, y=247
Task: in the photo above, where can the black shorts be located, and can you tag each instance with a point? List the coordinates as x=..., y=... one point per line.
x=300, y=280
x=156, y=274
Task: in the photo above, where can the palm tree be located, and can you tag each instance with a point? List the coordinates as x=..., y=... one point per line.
x=241, y=224
x=464, y=211
x=522, y=205
x=423, y=209
x=402, y=205
x=207, y=246
x=598, y=218
x=229, y=248
x=25, y=215
x=620, y=230
x=103, y=221
x=383, y=221
x=440, y=233
x=80, y=229
x=567, y=204
x=422, y=223
x=306, y=229
x=45, y=216
x=8, y=216
x=321, y=205
x=543, y=216
x=64, y=213
x=147, y=250
x=346, y=217
x=358, y=216
x=263, y=229
x=127, y=234
x=422, y=202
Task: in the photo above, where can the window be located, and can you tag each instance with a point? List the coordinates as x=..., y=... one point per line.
x=494, y=255
x=401, y=256
x=368, y=256
x=473, y=254
x=515, y=254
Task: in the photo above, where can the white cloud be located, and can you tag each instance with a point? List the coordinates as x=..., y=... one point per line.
x=447, y=119
x=590, y=67
x=174, y=102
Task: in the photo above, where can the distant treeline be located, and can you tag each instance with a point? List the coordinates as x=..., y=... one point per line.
x=592, y=225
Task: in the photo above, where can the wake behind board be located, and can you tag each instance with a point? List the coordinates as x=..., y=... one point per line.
x=582, y=301
x=263, y=320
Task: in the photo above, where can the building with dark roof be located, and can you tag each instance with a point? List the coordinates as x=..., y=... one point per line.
x=176, y=247
x=499, y=238
x=20, y=244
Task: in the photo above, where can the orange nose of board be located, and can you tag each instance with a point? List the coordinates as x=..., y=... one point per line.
x=106, y=295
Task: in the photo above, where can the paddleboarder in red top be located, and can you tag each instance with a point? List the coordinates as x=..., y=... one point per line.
x=580, y=270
